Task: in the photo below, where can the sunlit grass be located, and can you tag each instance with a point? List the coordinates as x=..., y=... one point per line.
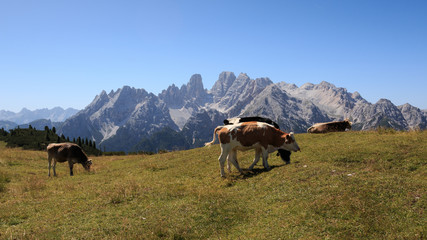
x=353, y=185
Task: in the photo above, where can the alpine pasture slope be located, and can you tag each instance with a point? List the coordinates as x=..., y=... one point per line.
x=349, y=185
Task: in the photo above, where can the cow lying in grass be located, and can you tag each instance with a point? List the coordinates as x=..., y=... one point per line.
x=67, y=152
x=340, y=126
x=260, y=136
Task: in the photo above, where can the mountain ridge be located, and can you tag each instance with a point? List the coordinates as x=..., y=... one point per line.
x=9, y=119
x=123, y=118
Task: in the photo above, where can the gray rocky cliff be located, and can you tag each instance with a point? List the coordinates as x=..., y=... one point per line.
x=129, y=118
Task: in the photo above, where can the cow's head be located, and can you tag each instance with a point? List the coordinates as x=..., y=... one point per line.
x=348, y=123
x=290, y=144
x=87, y=164
x=284, y=155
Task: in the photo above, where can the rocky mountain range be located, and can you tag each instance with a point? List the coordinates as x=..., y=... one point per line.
x=130, y=119
x=56, y=114
x=38, y=118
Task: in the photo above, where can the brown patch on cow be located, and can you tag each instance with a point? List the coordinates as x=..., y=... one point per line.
x=250, y=133
x=224, y=136
x=64, y=151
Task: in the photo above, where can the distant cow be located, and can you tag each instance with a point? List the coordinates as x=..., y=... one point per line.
x=340, y=126
x=260, y=136
x=67, y=152
x=284, y=155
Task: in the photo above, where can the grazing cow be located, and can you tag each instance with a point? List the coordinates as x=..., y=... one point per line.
x=260, y=136
x=340, y=126
x=284, y=155
x=67, y=152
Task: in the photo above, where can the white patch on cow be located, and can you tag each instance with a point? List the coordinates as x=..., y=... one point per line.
x=233, y=121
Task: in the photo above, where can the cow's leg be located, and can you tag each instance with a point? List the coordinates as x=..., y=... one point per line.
x=71, y=164
x=256, y=159
x=228, y=164
x=229, y=158
x=224, y=153
x=49, y=159
x=264, y=159
x=233, y=158
x=54, y=167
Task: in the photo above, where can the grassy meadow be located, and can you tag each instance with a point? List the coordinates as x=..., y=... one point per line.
x=350, y=185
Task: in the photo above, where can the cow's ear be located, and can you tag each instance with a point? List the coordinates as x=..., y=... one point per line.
x=287, y=138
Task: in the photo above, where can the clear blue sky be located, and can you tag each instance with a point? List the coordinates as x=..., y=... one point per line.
x=64, y=53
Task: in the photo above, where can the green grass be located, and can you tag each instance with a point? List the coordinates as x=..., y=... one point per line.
x=352, y=185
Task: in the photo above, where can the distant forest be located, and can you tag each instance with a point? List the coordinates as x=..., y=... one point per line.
x=31, y=138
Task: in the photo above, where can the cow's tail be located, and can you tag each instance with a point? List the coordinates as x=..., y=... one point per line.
x=214, y=134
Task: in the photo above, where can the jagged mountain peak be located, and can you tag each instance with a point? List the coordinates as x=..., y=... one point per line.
x=123, y=117
x=326, y=85
x=243, y=77
x=194, y=87
x=221, y=86
x=307, y=86
x=357, y=96
x=406, y=105
x=384, y=101
x=415, y=117
x=196, y=81
x=263, y=82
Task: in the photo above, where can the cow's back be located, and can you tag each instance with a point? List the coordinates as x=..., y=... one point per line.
x=55, y=150
x=74, y=151
x=248, y=134
x=330, y=127
x=64, y=151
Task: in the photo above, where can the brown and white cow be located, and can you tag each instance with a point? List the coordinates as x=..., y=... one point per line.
x=340, y=126
x=284, y=154
x=67, y=152
x=262, y=137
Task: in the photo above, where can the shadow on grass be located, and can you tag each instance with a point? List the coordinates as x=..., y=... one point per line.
x=257, y=171
x=234, y=176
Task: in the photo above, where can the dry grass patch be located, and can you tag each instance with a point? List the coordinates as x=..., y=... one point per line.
x=353, y=185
